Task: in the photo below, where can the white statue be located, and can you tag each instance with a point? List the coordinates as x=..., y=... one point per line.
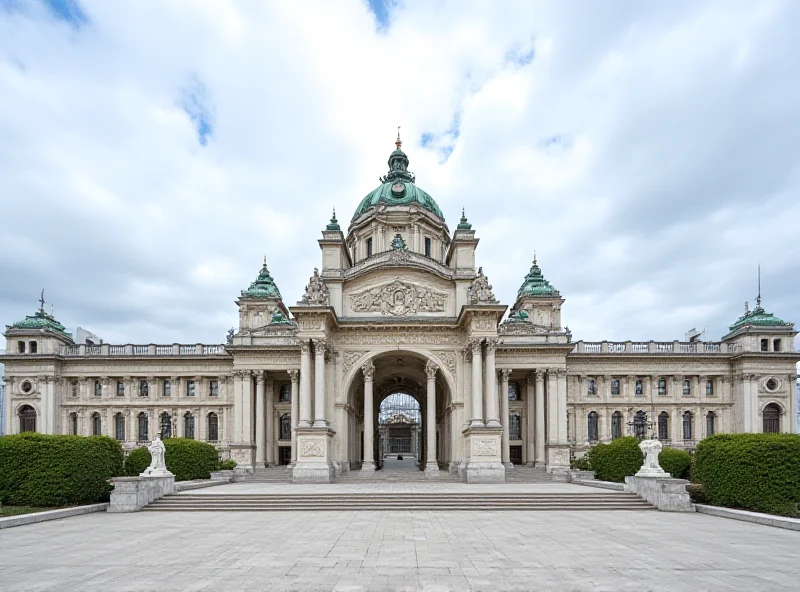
x=651, y=468
x=157, y=467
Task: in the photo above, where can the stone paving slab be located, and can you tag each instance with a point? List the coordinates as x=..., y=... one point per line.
x=360, y=551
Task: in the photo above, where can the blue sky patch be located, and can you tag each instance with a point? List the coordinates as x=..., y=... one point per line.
x=68, y=11
x=445, y=142
x=196, y=103
x=381, y=9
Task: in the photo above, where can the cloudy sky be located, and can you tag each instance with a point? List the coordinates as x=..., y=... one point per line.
x=152, y=152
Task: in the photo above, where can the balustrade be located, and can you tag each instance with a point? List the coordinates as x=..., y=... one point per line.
x=141, y=350
x=655, y=347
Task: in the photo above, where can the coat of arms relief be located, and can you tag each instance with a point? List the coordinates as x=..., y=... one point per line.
x=398, y=298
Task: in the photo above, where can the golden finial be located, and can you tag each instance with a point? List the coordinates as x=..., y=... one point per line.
x=397, y=142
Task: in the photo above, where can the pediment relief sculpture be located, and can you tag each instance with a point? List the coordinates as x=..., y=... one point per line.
x=398, y=298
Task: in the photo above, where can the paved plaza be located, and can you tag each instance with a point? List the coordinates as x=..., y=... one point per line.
x=419, y=550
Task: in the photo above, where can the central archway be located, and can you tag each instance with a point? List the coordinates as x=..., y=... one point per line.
x=391, y=373
x=399, y=431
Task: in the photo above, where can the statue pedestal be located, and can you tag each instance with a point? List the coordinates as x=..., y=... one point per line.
x=313, y=455
x=483, y=457
x=558, y=461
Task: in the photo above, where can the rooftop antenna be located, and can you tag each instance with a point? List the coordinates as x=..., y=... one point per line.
x=758, y=298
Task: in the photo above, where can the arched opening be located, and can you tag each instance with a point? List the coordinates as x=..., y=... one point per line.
x=213, y=427
x=27, y=419
x=97, y=424
x=772, y=419
x=399, y=431
x=143, y=427
x=616, y=424
x=711, y=423
x=166, y=425
x=411, y=374
x=663, y=426
x=73, y=424
x=188, y=425
x=591, y=431
x=119, y=427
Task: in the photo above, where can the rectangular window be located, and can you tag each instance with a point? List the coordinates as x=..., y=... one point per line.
x=144, y=388
x=709, y=388
x=119, y=427
x=687, y=387
x=369, y=247
x=662, y=386
x=213, y=388
x=190, y=388
x=34, y=347
x=167, y=388
x=591, y=387
x=514, y=427
x=639, y=388
x=120, y=388
x=74, y=386
x=776, y=345
x=765, y=345
x=21, y=347
x=427, y=247
x=615, y=388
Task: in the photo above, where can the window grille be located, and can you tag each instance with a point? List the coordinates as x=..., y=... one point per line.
x=286, y=426
x=97, y=424
x=119, y=427
x=27, y=419
x=514, y=427
x=640, y=424
x=710, y=423
x=188, y=426
x=615, y=387
x=772, y=419
x=73, y=424
x=688, y=427
x=144, y=431
x=213, y=427
x=616, y=425
x=663, y=426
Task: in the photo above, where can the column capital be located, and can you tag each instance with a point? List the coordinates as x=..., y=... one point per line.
x=260, y=378
x=491, y=345
x=475, y=345
x=431, y=369
x=320, y=345
x=294, y=375
x=305, y=346
x=368, y=368
x=504, y=373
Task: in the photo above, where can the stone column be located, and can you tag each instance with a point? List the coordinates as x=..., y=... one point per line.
x=477, y=383
x=531, y=423
x=504, y=419
x=431, y=465
x=295, y=377
x=319, y=384
x=540, y=419
x=305, y=384
x=260, y=427
x=561, y=389
x=369, y=419
x=466, y=376
x=269, y=408
x=492, y=402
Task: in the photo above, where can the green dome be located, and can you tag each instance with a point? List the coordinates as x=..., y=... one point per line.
x=398, y=193
x=535, y=284
x=263, y=287
x=757, y=317
x=41, y=320
x=398, y=188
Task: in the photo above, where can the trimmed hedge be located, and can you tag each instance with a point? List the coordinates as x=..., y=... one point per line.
x=45, y=470
x=187, y=459
x=675, y=462
x=227, y=465
x=758, y=472
x=616, y=460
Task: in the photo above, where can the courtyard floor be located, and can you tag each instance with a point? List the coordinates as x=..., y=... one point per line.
x=590, y=550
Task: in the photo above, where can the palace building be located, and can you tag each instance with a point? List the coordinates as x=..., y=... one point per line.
x=398, y=345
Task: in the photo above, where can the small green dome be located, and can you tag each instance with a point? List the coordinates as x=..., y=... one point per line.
x=41, y=320
x=757, y=317
x=535, y=284
x=398, y=188
x=264, y=286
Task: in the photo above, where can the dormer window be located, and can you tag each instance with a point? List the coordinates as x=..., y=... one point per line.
x=427, y=246
x=33, y=347
x=369, y=247
x=21, y=347
x=764, y=345
x=776, y=345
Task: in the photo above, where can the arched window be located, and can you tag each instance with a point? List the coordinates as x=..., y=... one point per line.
x=98, y=388
x=772, y=419
x=143, y=431
x=73, y=424
x=688, y=425
x=97, y=424
x=119, y=427
x=616, y=424
x=640, y=424
x=513, y=392
x=166, y=425
x=711, y=426
x=286, y=426
x=663, y=426
x=188, y=426
x=27, y=419
x=514, y=426
x=213, y=427
x=285, y=394
x=33, y=347
x=591, y=427
x=20, y=347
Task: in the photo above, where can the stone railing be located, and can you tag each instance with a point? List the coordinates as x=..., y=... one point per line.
x=655, y=347
x=174, y=349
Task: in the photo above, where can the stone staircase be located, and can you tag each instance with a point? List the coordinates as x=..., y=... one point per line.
x=270, y=475
x=436, y=501
x=522, y=474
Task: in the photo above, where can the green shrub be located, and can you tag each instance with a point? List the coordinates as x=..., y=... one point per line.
x=581, y=463
x=44, y=470
x=227, y=465
x=758, y=472
x=137, y=461
x=616, y=460
x=186, y=459
x=675, y=462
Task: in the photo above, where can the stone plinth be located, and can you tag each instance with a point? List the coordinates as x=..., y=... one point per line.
x=313, y=464
x=558, y=461
x=131, y=494
x=664, y=492
x=484, y=463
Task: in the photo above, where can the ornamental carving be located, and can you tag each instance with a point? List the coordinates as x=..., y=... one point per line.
x=312, y=448
x=398, y=298
x=316, y=292
x=350, y=358
x=395, y=339
x=368, y=369
x=480, y=292
x=448, y=358
x=484, y=448
x=430, y=370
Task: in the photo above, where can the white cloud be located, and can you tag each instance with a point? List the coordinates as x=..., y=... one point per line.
x=647, y=152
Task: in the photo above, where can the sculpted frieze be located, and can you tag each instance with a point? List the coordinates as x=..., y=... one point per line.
x=349, y=358
x=398, y=298
x=398, y=338
x=448, y=358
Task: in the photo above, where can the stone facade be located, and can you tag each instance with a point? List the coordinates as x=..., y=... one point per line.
x=398, y=306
